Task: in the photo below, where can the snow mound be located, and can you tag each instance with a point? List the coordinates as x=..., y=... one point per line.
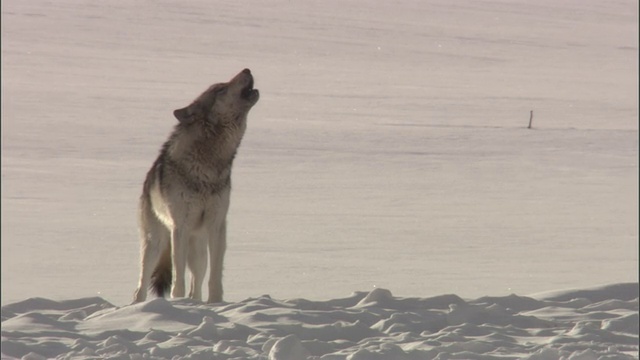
x=597, y=323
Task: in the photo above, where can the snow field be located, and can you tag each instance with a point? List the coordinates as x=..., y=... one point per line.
x=596, y=323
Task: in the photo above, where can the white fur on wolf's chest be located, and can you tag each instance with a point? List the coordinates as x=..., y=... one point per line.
x=195, y=208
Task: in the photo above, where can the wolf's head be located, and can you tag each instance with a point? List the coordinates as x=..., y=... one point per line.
x=222, y=103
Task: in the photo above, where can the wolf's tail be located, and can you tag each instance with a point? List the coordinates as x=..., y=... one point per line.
x=161, y=276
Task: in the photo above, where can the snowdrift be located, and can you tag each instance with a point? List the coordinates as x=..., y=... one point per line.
x=597, y=323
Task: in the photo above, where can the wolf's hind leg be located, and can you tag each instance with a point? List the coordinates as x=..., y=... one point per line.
x=179, y=252
x=154, y=241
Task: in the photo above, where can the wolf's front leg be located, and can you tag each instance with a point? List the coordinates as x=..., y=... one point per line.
x=179, y=249
x=217, y=247
x=197, y=263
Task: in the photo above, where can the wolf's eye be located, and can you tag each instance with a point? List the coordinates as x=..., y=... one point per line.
x=221, y=91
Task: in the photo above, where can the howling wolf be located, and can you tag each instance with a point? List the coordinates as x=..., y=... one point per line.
x=185, y=196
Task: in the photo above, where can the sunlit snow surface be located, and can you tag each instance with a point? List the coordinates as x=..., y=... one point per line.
x=389, y=150
x=599, y=323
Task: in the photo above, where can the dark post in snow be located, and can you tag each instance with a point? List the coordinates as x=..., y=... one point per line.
x=530, y=118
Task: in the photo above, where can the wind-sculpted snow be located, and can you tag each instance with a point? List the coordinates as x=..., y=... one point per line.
x=598, y=323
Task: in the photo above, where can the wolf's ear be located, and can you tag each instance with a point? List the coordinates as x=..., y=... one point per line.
x=186, y=115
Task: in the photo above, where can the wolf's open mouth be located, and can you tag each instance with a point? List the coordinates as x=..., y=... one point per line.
x=248, y=90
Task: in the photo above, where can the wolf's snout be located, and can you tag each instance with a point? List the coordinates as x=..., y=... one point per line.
x=248, y=92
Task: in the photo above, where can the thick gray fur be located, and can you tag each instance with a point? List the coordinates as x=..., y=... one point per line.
x=185, y=197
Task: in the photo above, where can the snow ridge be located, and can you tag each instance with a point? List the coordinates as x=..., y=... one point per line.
x=598, y=323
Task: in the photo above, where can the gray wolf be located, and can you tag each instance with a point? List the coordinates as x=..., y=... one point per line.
x=185, y=196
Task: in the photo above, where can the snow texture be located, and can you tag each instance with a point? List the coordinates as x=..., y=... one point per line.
x=389, y=150
x=597, y=323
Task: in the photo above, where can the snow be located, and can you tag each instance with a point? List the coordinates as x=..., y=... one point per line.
x=578, y=324
x=389, y=150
